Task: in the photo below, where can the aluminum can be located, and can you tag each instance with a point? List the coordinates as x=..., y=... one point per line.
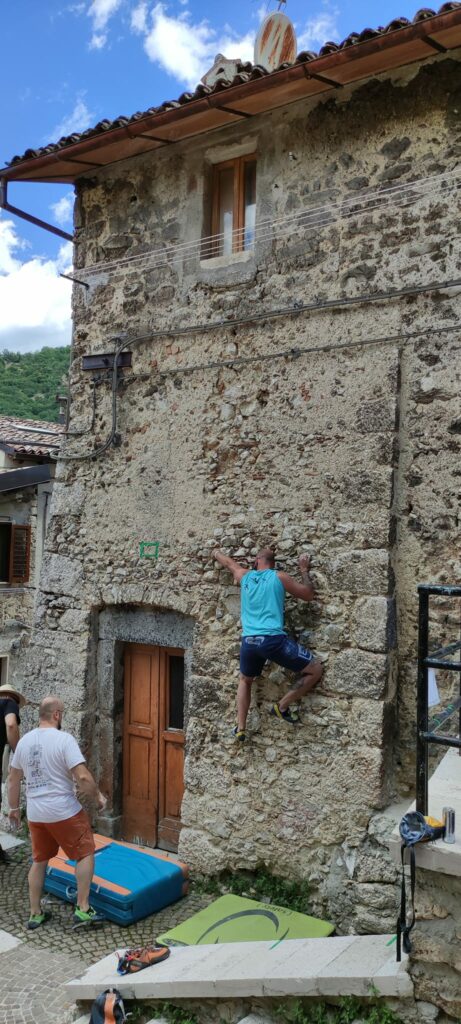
x=449, y=822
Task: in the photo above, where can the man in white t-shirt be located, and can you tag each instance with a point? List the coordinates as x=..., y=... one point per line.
x=54, y=767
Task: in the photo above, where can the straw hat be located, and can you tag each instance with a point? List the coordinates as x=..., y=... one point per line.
x=9, y=691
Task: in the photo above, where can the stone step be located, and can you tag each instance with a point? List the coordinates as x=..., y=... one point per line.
x=8, y=941
x=355, y=965
x=10, y=841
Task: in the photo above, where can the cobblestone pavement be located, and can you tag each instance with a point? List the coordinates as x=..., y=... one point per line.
x=32, y=975
x=32, y=985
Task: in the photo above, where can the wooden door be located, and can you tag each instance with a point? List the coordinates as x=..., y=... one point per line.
x=153, y=745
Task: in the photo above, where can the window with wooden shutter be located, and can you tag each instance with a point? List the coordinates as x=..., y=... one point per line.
x=19, y=554
x=5, y=552
x=233, y=207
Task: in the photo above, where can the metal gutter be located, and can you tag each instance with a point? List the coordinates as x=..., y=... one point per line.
x=16, y=479
x=24, y=442
x=5, y=205
x=33, y=430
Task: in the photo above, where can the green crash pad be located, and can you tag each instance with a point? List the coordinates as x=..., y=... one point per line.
x=235, y=919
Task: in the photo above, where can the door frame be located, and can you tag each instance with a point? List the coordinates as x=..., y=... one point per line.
x=164, y=736
x=115, y=626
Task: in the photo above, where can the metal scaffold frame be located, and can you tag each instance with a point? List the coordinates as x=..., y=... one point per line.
x=427, y=730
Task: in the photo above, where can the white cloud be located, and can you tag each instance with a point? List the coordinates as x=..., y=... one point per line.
x=139, y=18
x=8, y=243
x=101, y=11
x=63, y=209
x=319, y=29
x=78, y=120
x=34, y=300
x=98, y=41
x=185, y=50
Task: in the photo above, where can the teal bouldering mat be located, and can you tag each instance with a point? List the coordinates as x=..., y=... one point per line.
x=235, y=919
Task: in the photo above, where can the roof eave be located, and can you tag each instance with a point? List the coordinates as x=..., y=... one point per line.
x=364, y=60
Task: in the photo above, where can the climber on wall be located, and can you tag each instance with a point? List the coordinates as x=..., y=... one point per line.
x=264, y=638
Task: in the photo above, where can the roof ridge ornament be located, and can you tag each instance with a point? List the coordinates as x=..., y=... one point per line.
x=223, y=67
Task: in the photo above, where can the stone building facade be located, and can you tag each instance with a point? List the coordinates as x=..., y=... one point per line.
x=305, y=393
x=26, y=481
x=27, y=448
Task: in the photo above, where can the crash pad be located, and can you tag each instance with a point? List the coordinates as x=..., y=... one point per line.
x=129, y=881
x=235, y=919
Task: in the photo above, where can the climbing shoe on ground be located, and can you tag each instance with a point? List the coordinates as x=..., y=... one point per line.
x=290, y=716
x=90, y=916
x=36, y=920
x=239, y=734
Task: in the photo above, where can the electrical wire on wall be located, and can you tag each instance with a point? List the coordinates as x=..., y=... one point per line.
x=293, y=352
x=309, y=221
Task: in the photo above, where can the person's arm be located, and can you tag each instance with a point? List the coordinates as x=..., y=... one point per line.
x=86, y=786
x=14, y=792
x=12, y=730
x=303, y=591
x=237, y=570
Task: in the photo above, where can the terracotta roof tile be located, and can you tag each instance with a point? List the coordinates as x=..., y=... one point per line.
x=30, y=437
x=247, y=72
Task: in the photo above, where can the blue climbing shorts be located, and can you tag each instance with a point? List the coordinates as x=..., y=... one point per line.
x=256, y=650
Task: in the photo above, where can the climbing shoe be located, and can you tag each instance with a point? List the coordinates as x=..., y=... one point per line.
x=36, y=920
x=290, y=716
x=239, y=734
x=90, y=916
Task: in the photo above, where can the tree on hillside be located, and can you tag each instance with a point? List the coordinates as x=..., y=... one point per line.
x=29, y=382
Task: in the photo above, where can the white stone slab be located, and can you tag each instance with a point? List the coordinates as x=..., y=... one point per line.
x=8, y=941
x=353, y=973
x=8, y=840
x=253, y=1018
x=444, y=791
x=346, y=965
x=301, y=977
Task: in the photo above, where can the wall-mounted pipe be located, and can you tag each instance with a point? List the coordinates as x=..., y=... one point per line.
x=5, y=205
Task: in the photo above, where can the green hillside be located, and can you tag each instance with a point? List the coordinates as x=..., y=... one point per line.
x=29, y=382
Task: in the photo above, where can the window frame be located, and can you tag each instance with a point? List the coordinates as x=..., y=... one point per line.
x=238, y=207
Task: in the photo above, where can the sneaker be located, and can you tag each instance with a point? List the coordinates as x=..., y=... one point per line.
x=239, y=734
x=291, y=716
x=36, y=920
x=90, y=916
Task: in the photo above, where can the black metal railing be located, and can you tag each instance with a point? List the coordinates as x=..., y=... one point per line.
x=427, y=731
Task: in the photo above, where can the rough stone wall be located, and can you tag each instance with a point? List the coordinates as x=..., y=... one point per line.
x=436, y=953
x=342, y=452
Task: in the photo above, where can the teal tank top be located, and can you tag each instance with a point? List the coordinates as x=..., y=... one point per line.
x=262, y=603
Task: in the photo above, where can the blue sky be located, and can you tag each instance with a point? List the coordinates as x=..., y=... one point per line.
x=67, y=65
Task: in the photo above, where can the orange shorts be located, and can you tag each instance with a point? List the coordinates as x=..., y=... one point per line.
x=73, y=834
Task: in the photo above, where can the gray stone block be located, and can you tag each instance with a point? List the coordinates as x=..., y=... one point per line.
x=359, y=674
x=372, y=622
x=61, y=575
x=361, y=572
